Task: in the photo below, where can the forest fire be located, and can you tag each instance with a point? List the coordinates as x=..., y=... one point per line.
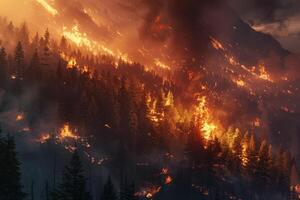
x=149, y=193
x=66, y=133
x=161, y=65
x=72, y=64
x=155, y=97
x=204, y=119
x=263, y=74
x=82, y=40
x=50, y=9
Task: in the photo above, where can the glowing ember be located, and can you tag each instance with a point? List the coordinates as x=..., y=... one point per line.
x=297, y=190
x=149, y=193
x=20, y=117
x=44, y=138
x=257, y=122
x=26, y=129
x=164, y=171
x=216, y=44
x=168, y=180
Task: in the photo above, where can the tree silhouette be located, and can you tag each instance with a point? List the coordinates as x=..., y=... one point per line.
x=73, y=186
x=10, y=176
x=3, y=68
x=109, y=192
x=19, y=61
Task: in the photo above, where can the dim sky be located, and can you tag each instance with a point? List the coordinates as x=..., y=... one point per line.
x=280, y=18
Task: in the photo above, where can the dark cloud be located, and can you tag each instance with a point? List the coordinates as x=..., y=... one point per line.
x=266, y=11
x=279, y=18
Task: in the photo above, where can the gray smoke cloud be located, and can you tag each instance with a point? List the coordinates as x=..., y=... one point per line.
x=280, y=18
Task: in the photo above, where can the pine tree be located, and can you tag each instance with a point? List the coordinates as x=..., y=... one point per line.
x=73, y=186
x=35, y=41
x=10, y=30
x=19, y=61
x=3, y=68
x=24, y=35
x=252, y=157
x=10, y=176
x=45, y=48
x=262, y=178
x=33, y=72
x=63, y=44
x=237, y=152
x=109, y=192
x=127, y=191
x=283, y=172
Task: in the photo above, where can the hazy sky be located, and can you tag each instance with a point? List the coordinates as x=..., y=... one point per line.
x=280, y=18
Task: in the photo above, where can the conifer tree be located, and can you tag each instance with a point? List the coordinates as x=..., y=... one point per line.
x=19, y=61
x=73, y=186
x=45, y=48
x=252, y=157
x=262, y=178
x=3, y=68
x=33, y=72
x=63, y=44
x=109, y=192
x=10, y=176
x=24, y=35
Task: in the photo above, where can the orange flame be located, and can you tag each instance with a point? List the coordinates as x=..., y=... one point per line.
x=20, y=117
x=50, y=9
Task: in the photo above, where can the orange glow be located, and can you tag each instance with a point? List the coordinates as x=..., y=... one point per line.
x=168, y=180
x=44, y=138
x=72, y=63
x=240, y=82
x=208, y=129
x=263, y=74
x=82, y=40
x=66, y=132
x=169, y=101
x=244, y=153
x=50, y=9
x=216, y=44
x=257, y=122
x=159, y=64
x=164, y=171
x=148, y=192
x=20, y=117
x=153, y=115
x=204, y=118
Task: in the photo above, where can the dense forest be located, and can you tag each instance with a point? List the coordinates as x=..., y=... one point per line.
x=111, y=129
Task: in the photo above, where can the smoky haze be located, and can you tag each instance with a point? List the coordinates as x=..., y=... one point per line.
x=279, y=18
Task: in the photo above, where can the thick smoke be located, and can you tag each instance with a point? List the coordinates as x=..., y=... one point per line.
x=276, y=17
x=266, y=11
